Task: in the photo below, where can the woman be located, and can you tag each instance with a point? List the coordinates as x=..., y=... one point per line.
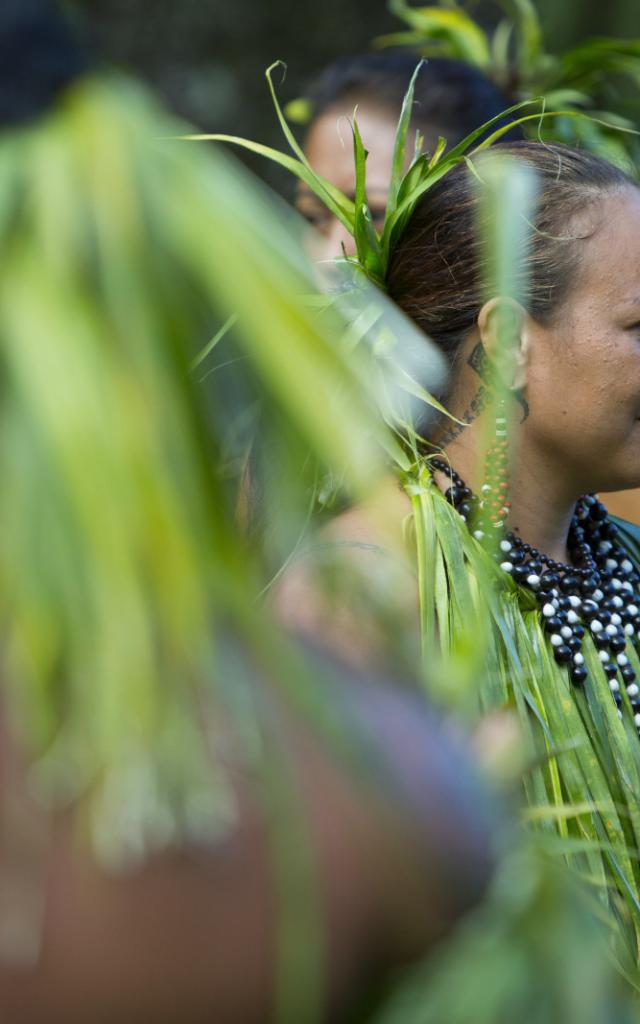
x=451, y=99
x=558, y=626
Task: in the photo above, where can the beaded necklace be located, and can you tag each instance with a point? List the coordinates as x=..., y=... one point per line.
x=597, y=592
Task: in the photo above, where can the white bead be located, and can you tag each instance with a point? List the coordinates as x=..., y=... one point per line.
x=626, y=565
x=604, y=656
x=595, y=626
x=574, y=601
x=566, y=632
x=629, y=629
x=597, y=594
x=611, y=564
x=616, y=620
x=632, y=689
x=507, y=566
x=505, y=545
x=636, y=719
x=578, y=659
x=632, y=609
x=613, y=685
x=548, y=611
x=556, y=640
x=616, y=584
x=611, y=630
x=555, y=602
x=604, y=547
x=533, y=581
x=572, y=617
x=617, y=602
x=622, y=659
x=486, y=489
x=628, y=586
x=478, y=534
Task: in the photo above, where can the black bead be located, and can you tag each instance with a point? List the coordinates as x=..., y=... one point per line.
x=598, y=511
x=520, y=573
x=611, y=669
x=588, y=585
x=617, y=644
x=549, y=581
x=554, y=624
x=578, y=630
x=562, y=654
x=575, y=644
x=628, y=674
x=590, y=609
x=601, y=640
x=569, y=584
x=578, y=675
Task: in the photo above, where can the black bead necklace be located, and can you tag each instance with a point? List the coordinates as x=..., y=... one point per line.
x=598, y=592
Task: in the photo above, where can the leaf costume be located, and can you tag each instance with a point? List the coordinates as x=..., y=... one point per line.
x=583, y=787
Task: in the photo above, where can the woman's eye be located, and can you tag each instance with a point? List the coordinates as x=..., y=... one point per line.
x=377, y=215
x=314, y=217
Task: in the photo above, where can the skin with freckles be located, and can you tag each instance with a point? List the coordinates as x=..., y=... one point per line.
x=580, y=376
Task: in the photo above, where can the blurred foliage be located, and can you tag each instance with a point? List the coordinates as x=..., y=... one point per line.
x=533, y=952
x=599, y=77
x=123, y=442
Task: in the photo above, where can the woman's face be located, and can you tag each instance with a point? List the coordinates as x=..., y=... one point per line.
x=583, y=376
x=329, y=149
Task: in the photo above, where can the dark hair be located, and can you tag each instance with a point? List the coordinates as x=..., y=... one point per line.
x=451, y=98
x=40, y=55
x=435, y=272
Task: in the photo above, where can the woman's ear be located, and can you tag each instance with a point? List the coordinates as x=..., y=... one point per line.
x=503, y=328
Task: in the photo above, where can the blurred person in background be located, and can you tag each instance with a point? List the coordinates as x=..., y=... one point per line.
x=451, y=100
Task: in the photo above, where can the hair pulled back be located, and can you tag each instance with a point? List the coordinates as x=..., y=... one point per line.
x=451, y=97
x=436, y=271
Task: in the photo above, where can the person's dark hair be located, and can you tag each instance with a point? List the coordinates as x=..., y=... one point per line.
x=451, y=98
x=435, y=273
x=40, y=55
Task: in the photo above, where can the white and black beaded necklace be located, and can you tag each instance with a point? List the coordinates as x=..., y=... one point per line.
x=598, y=592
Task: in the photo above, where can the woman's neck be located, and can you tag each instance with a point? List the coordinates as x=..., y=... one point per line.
x=541, y=502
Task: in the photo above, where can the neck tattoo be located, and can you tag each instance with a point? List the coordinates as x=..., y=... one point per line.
x=597, y=593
